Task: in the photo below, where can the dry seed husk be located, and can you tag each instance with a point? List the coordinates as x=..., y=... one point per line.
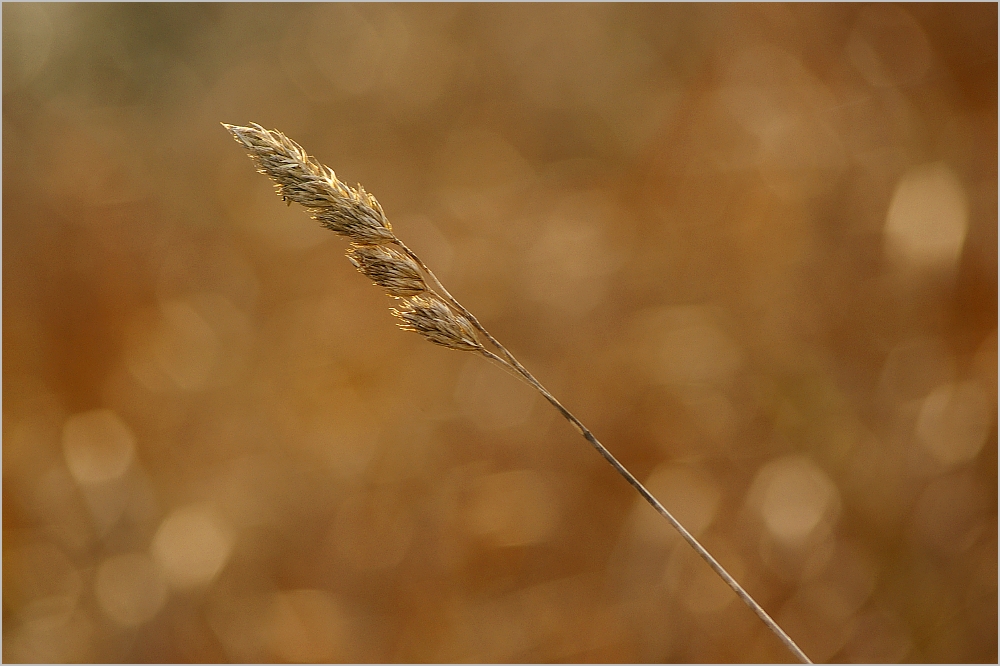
x=388, y=268
x=431, y=317
x=353, y=213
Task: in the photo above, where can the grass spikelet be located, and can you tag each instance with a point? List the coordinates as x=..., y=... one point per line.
x=388, y=268
x=432, y=318
x=352, y=213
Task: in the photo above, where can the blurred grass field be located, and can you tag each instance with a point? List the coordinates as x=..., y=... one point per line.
x=752, y=247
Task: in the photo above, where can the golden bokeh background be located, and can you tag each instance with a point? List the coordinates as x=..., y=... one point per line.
x=752, y=247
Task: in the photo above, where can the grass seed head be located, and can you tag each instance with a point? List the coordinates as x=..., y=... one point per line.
x=431, y=317
x=388, y=268
x=353, y=213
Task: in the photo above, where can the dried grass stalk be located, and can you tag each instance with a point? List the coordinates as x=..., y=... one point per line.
x=428, y=310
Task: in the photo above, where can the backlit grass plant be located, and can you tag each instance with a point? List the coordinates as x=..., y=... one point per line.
x=423, y=305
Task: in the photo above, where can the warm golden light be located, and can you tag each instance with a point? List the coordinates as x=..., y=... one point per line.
x=753, y=247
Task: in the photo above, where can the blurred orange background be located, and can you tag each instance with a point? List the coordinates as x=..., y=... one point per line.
x=752, y=247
